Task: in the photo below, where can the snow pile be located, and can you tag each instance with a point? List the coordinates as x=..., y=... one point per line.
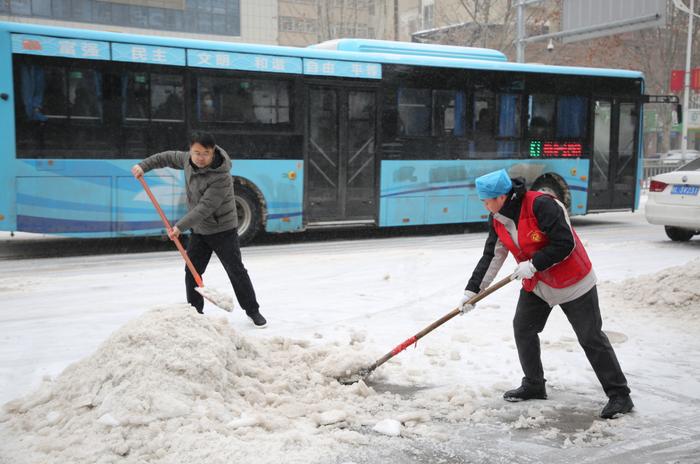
x=675, y=288
x=174, y=386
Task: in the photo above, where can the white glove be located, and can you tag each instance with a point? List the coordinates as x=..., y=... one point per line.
x=525, y=270
x=137, y=171
x=465, y=307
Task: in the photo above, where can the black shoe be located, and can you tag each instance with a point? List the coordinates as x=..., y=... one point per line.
x=258, y=320
x=526, y=392
x=617, y=405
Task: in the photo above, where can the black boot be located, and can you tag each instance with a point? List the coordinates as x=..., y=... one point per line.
x=526, y=391
x=257, y=319
x=617, y=405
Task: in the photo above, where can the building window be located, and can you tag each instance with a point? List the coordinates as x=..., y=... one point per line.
x=428, y=12
x=21, y=7
x=200, y=16
x=41, y=8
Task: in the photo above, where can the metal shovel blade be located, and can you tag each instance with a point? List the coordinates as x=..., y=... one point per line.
x=355, y=377
x=220, y=299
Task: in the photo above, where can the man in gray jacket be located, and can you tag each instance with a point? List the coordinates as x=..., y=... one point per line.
x=211, y=216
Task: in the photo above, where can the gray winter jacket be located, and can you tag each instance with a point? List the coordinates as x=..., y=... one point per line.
x=210, y=203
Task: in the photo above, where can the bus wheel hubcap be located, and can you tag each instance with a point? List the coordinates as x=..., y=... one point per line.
x=244, y=215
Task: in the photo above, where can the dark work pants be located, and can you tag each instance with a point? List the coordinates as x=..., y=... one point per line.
x=225, y=245
x=584, y=315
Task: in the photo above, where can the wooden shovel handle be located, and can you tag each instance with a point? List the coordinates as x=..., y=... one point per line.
x=178, y=244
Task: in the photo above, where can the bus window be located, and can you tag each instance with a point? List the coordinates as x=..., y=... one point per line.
x=509, y=125
x=55, y=99
x=448, y=113
x=205, y=106
x=509, y=116
x=43, y=90
x=540, y=121
x=249, y=101
x=167, y=97
x=85, y=94
x=483, y=126
x=414, y=111
x=270, y=102
x=572, y=117
x=135, y=96
x=60, y=108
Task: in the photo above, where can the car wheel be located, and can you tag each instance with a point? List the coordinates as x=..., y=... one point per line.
x=552, y=187
x=679, y=235
x=249, y=213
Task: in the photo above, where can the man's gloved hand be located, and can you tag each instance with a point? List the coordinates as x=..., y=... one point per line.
x=525, y=270
x=137, y=171
x=174, y=233
x=465, y=307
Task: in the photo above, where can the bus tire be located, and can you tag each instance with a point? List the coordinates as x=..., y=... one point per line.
x=678, y=235
x=555, y=188
x=249, y=213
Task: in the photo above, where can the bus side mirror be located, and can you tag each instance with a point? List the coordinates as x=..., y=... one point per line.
x=679, y=113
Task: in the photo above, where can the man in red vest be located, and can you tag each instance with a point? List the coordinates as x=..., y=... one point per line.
x=555, y=270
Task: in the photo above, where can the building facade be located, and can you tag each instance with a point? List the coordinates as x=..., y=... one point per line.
x=305, y=22
x=235, y=20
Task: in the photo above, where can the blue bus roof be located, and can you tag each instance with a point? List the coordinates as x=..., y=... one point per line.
x=374, y=51
x=410, y=48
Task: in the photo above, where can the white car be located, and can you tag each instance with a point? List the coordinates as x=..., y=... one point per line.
x=674, y=201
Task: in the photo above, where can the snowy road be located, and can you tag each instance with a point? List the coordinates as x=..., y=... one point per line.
x=57, y=311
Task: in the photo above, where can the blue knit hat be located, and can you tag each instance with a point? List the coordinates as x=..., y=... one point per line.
x=493, y=184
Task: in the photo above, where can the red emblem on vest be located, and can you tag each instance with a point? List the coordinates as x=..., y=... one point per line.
x=536, y=236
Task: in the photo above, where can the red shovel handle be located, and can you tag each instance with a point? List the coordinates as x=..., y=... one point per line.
x=414, y=339
x=178, y=244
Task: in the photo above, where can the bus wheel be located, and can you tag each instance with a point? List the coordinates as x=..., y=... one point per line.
x=554, y=188
x=248, y=210
x=678, y=235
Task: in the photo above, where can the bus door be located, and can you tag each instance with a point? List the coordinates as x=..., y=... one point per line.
x=340, y=157
x=613, y=171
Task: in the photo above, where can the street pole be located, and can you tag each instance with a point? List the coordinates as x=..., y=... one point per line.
x=519, y=43
x=686, y=84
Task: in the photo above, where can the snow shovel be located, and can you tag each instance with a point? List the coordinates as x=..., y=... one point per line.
x=363, y=373
x=218, y=298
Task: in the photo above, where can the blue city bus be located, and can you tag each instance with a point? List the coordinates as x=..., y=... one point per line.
x=346, y=133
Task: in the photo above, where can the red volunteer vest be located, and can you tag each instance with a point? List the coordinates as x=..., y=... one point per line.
x=531, y=239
